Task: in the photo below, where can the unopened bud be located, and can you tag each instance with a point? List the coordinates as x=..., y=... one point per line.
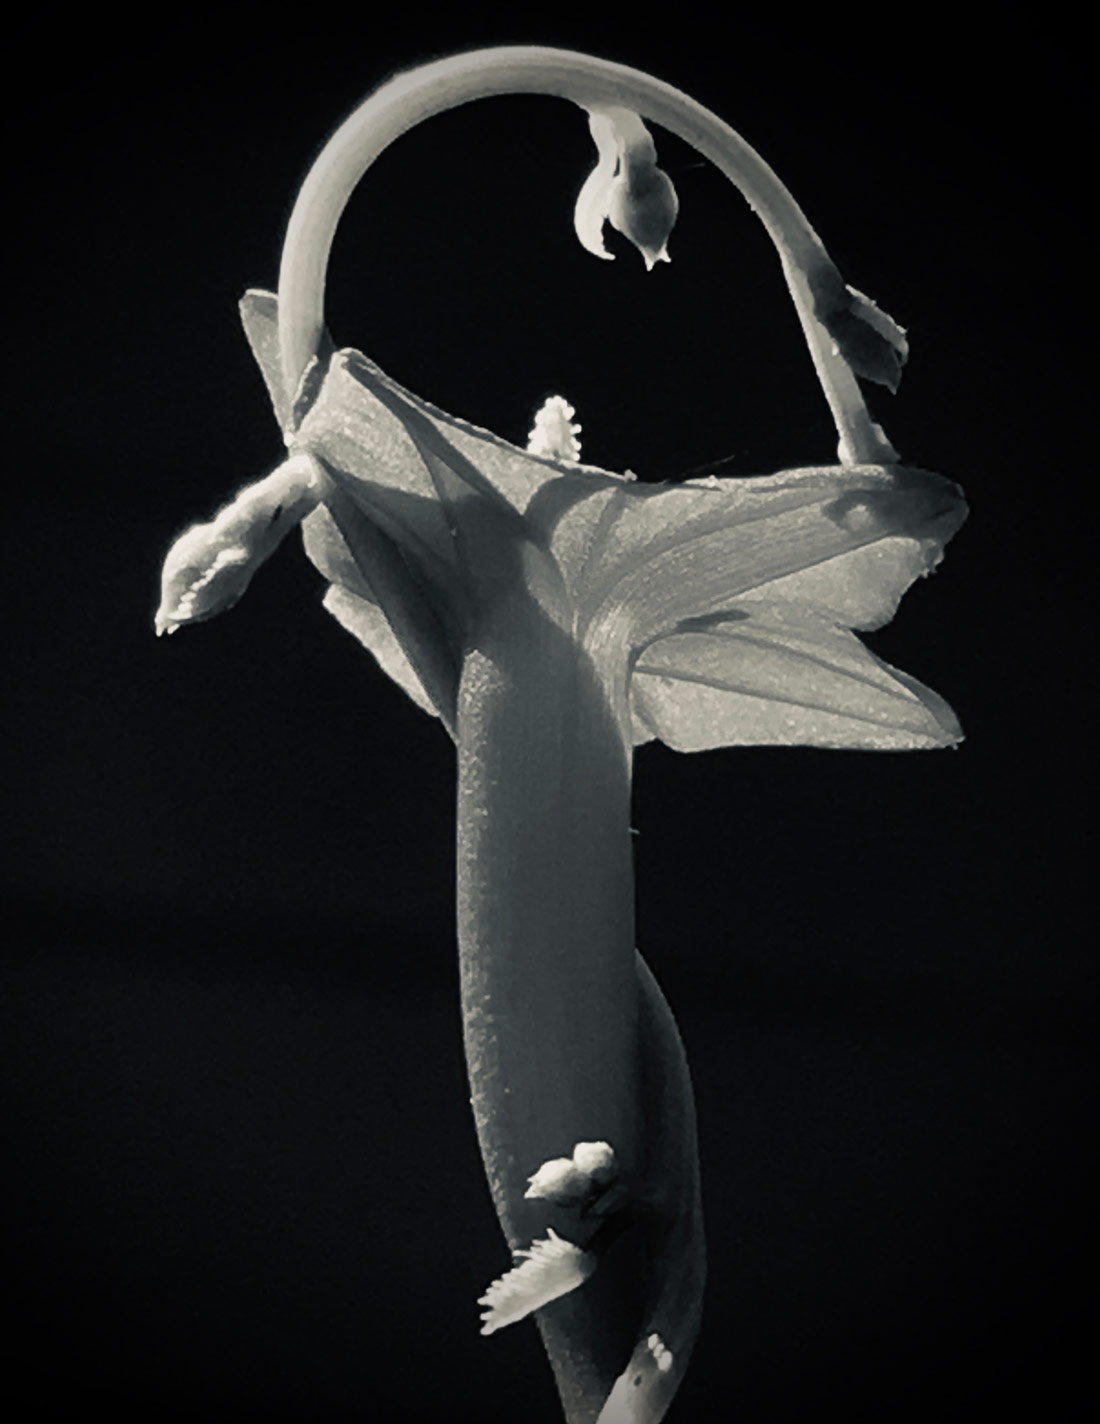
x=626, y=188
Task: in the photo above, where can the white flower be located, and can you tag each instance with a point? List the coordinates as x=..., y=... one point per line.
x=572, y=1181
x=626, y=188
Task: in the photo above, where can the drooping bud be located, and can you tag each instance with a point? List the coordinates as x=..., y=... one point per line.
x=626, y=188
x=869, y=339
x=210, y=565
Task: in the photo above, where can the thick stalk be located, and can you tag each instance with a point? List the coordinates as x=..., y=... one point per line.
x=549, y=983
x=545, y=914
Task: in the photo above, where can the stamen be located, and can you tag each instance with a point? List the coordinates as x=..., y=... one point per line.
x=555, y=431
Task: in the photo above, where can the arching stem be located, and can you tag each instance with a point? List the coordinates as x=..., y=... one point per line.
x=409, y=98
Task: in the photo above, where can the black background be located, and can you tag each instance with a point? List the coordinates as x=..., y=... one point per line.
x=240, y=1171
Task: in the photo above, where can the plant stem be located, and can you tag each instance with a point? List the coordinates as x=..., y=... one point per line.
x=592, y=83
x=545, y=913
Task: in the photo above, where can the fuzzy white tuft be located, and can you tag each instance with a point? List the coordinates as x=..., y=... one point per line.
x=546, y=1270
x=595, y=1160
x=555, y=431
x=570, y=1181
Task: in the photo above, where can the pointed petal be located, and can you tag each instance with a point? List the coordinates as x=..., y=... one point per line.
x=367, y=425
x=364, y=620
x=842, y=542
x=449, y=496
x=594, y=200
x=327, y=550
x=643, y=208
x=260, y=318
x=353, y=599
x=771, y=675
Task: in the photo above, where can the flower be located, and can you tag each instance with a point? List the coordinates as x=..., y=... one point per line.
x=553, y=616
x=573, y=1180
x=626, y=188
x=729, y=600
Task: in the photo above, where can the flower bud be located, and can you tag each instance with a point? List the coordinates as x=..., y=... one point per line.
x=210, y=565
x=626, y=188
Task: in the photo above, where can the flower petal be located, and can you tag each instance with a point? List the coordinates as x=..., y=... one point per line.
x=327, y=550
x=449, y=496
x=593, y=202
x=364, y=620
x=260, y=318
x=773, y=675
x=368, y=426
x=625, y=188
x=449, y=510
x=843, y=542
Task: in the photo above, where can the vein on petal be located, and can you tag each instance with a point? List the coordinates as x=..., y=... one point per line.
x=780, y=650
x=723, y=685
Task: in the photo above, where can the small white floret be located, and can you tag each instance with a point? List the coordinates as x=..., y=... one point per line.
x=596, y=1160
x=556, y=1178
x=555, y=432
x=570, y=1181
x=660, y=1352
x=546, y=1270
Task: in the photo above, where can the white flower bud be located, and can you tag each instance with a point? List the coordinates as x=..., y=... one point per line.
x=626, y=188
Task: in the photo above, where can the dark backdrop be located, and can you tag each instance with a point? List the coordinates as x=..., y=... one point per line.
x=240, y=1174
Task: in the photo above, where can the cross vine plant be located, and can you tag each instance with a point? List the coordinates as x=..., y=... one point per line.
x=554, y=616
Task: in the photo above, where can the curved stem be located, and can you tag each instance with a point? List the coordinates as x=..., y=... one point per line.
x=419, y=94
